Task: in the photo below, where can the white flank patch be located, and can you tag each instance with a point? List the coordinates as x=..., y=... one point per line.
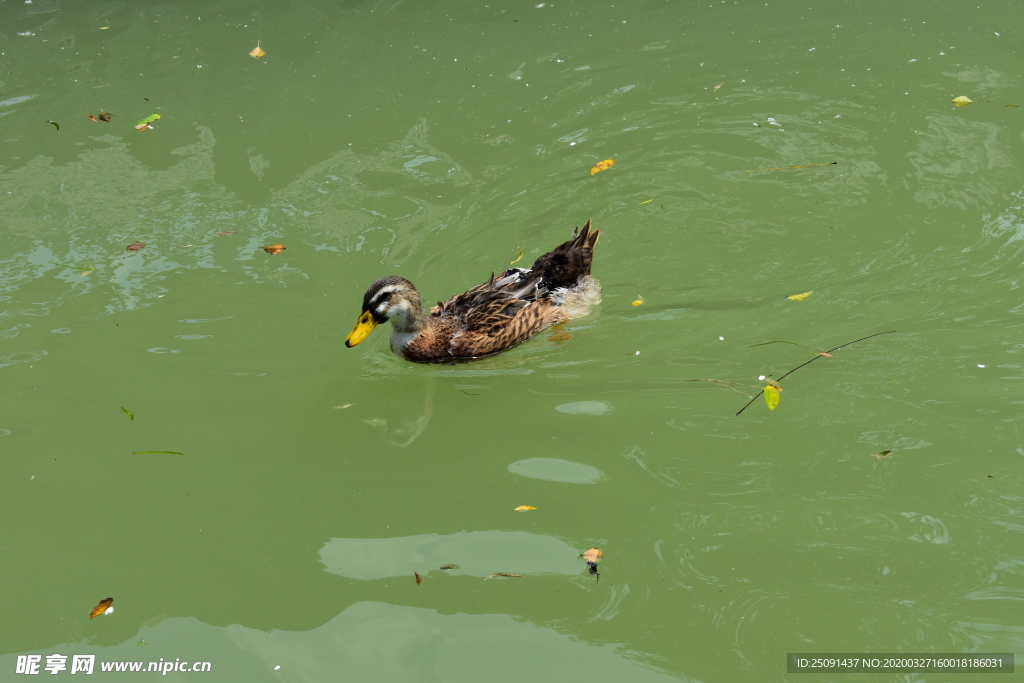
x=580, y=298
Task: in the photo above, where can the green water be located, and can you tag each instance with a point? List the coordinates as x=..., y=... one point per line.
x=431, y=140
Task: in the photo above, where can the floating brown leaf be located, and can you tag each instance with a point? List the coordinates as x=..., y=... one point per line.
x=104, y=116
x=102, y=608
x=91, y=117
x=418, y=579
x=882, y=454
x=274, y=248
x=450, y=566
x=134, y=246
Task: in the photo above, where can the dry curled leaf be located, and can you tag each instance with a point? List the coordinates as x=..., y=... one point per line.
x=524, y=507
x=961, y=101
x=257, y=51
x=602, y=166
x=800, y=297
x=418, y=579
x=134, y=246
x=274, y=248
x=105, y=607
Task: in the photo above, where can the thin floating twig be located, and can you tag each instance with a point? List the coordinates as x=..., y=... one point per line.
x=811, y=361
x=786, y=168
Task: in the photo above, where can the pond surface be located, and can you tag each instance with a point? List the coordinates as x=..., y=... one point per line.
x=281, y=507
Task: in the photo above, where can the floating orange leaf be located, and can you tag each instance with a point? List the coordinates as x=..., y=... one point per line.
x=257, y=51
x=524, y=507
x=418, y=579
x=593, y=556
x=134, y=246
x=274, y=248
x=91, y=117
x=105, y=607
x=602, y=166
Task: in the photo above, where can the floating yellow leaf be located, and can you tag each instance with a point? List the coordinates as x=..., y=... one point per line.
x=771, y=397
x=800, y=297
x=602, y=166
x=961, y=101
x=524, y=507
x=518, y=258
x=648, y=201
x=257, y=51
x=639, y=301
x=105, y=607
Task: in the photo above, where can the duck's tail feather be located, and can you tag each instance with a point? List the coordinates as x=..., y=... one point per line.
x=564, y=265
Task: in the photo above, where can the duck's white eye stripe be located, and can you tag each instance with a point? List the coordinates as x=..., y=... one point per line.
x=380, y=309
x=388, y=290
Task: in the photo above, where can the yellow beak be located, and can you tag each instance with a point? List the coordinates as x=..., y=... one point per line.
x=362, y=329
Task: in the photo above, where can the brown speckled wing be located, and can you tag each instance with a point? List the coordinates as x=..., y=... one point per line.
x=497, y=330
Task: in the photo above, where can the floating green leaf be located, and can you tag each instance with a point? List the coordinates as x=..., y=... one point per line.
x=149, y=119
x=157, y=453
x=127, y=412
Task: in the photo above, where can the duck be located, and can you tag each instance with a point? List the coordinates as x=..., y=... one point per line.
x=492, y=317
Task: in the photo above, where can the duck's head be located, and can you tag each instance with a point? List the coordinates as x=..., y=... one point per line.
x=390, y=298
